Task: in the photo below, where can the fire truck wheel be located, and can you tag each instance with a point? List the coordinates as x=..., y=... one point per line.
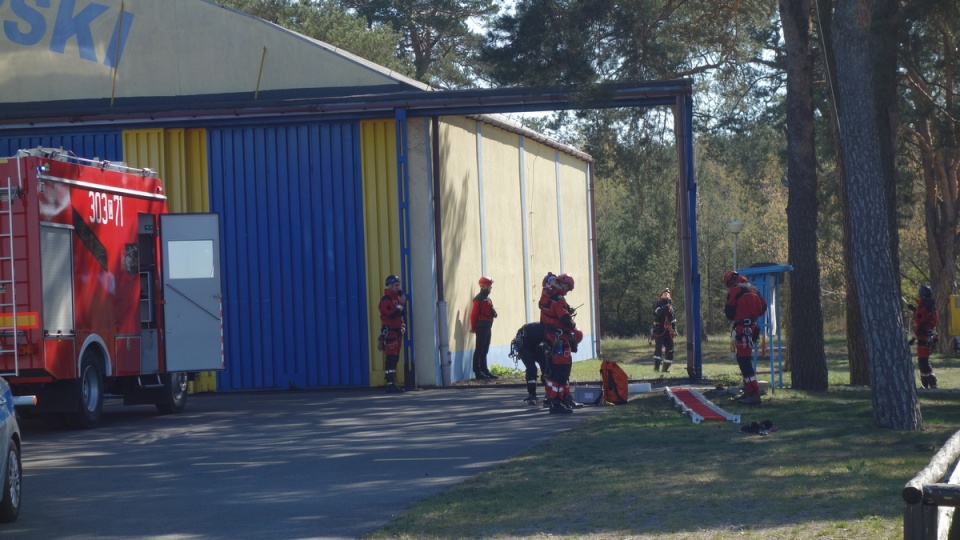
x=10, y=502
x=89, y=394
x=174, y=396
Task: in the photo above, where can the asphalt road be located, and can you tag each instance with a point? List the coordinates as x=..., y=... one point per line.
x=278, y=465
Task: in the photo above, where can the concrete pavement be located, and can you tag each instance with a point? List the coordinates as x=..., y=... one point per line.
x=278, y=465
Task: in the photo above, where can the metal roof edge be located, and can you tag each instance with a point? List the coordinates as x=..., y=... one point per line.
x=512, y=126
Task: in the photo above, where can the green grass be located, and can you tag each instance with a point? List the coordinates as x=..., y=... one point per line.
x=642, y=471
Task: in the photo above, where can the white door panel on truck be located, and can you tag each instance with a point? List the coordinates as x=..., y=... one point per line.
x=190, y=249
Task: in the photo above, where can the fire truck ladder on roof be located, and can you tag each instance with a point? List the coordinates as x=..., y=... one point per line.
x=10, y=334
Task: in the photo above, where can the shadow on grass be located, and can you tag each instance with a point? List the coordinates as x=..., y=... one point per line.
x=644, y=471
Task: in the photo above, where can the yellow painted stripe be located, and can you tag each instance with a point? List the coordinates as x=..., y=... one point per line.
x=24, y=320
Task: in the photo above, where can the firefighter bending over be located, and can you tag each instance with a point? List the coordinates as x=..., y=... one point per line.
x=925, y=319
x=744, y=306
x=528, y=347
x=664, y=330
x=561, y=334
x=391, y=333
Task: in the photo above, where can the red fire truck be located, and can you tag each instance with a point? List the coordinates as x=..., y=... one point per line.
x=102, y=292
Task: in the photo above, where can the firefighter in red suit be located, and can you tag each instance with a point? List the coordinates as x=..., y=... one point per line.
x=549, y=289
x=562, y=335
x=743, y=307
x=481, y=324
x=391, y=307
x=925, y=319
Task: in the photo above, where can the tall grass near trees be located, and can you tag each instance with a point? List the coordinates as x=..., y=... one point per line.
x=643, y=471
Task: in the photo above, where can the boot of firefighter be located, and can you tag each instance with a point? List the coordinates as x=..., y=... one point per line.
x=553, y=399
x=928, y=380
x=568, y=400
x=656, y=363
x=557, y=407
x=531, y=393
x=751, y=391
x=392, y=387
x=486, y=371
x=666, y=365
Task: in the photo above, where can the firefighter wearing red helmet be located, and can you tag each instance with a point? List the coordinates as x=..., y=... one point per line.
x=743, y=307
x=481, y=324
x=562, y=336
x=391, y=307
x=925, y=319
x=664, y=330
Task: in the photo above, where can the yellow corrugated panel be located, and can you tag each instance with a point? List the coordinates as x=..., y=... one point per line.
x=144, y=148
x=380, y=217
x=180, y=157
x=198, y=188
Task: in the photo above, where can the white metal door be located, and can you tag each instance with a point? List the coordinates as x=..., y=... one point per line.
x=192, y=314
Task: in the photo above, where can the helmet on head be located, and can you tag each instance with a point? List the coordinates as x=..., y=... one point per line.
x=729, y=277
x=925, y=292
x=665, y=293
x=486, y=281
x=566, y=280
x=391, y=280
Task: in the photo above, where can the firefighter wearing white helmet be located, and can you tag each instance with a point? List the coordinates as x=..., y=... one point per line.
x=391, y=307
x=481, y=324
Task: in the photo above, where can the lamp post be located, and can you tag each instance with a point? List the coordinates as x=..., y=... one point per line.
x=735, y=227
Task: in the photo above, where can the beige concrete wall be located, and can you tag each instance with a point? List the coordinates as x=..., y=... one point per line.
x=503, y=229
x=574, y=212
x=496, y=187
x=542, y=217
x=460, y=230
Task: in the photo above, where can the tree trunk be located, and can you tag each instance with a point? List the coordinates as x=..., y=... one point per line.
x=805, y=344
x=856, y=348
x=895, y=402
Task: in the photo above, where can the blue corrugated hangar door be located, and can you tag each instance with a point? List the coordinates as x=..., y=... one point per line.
x=104, y=145
x=295, y=305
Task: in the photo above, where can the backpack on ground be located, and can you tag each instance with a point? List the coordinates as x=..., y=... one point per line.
x=615, y=382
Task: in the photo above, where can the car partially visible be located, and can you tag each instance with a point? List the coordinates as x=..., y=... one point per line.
x=10, y=450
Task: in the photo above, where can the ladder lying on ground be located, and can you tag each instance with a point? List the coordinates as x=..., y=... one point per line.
x=693, y=405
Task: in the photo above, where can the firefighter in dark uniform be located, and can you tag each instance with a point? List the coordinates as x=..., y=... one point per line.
x=744, y=306
x=561, y=334
x=391, y=309
x=481, y=324
x=528, y=347
x=925, y=319
x=664, y=330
